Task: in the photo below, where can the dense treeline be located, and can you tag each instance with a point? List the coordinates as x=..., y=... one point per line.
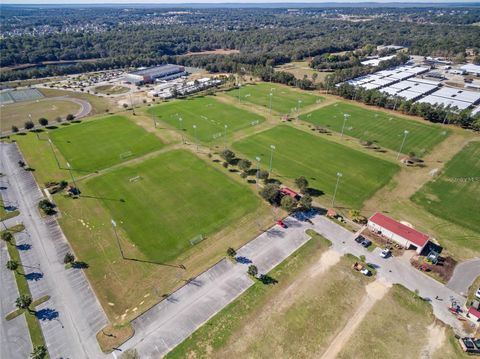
x=428, y=112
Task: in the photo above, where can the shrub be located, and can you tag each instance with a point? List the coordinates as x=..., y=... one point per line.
x=29, y=125
x=14, y=129
x=43, y=121
x=47, y=207
x=70, y=117
x=68, y=258
x=252, y=270
x=231, y=252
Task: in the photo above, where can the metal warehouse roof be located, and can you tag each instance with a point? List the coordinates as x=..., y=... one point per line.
x=152, y=71
x=390, y=90
x=458, y=94
x=420, y=87
x=409, y=95
x=411, y=234
x=471, y=68
x=370, y=86
x=401, y=76
x=384, y=81
x=436, y=100
x=402, y=85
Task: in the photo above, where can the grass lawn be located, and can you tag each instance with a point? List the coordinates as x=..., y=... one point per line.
x=454, y=195
x=300, y=68
x=177, y=198
x=209, y=115
x=398, y=319
x=111, y=89
x=98, y=144
x=17, y=113
x=298, y=317
x=300, y=153
x=384, y=129
x=284, y=99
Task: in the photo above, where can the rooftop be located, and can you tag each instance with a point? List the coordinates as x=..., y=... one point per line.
x=414, y=236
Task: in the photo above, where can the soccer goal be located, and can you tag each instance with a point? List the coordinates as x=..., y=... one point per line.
x=197, y=239
x=135, y=179
x=126, y=154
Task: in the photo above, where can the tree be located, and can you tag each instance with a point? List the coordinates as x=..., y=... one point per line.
x=263, y=175
x=271, y=193
x=231, y=252
x=69, y=258
x=302, y=183
x=125, y=106
x=23, y=302
x=21, y=163
x=244, y=165
x=227, y=155
x=70, y=117
x=252, y=270
x=7, y=236
x=43, y=121
x=28, y=125
x=14, y=129
x=58, y=119
x=306, y=202
x=12, y=265
x=46, y=206
x=288, y=203
x=314, y=76
x=39, y=352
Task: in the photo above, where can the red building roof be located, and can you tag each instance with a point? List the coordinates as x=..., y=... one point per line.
x=414, y=236
x=289, y=192
x=474, y=312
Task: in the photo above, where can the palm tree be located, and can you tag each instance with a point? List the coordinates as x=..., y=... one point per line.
x=39, y=352
x=7, y=236
x=252, y=270
x=12, y=265
x=23, y=302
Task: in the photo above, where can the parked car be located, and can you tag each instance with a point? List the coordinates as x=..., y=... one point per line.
x=477, y=293
x=365, y=272
x=360, y=239
x=385, y=253
x=366, y=243
x=281, y=223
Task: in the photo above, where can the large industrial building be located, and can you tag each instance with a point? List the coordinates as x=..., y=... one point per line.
x=157, y=73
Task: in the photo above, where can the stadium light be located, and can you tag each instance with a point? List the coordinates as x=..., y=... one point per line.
x=54, y=154
x=195, y=135
x=73, y=179
x=270, y=95
x=345, y=118
x=180, y=121
x=403, y=143
x=258, y=167
x=114, y=226
x=339, y=174
x=225, y=126
x=272, y=148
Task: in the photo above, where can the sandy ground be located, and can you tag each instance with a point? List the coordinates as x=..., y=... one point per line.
x=436, y=337
x=375, y=291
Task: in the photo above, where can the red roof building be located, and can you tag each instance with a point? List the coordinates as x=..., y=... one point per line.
x=398, y=232
x=289, y=192
x=473, y=314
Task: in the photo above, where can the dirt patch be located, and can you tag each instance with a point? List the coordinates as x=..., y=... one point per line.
x=436, y=337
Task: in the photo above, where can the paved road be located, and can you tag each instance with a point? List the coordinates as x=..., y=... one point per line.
x=171, y=321
x=73, y=315
x=14, y=338
x=464, y=275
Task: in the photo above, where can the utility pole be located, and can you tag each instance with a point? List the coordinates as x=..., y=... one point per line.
x=403, y=142
x=272, y=148
x=339, y=174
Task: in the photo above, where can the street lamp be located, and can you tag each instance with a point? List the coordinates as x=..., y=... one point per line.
x=258, y=166
x=195, y=134
x=345, y=118
x=403, y=142
x=272, y=148
x=339, y=174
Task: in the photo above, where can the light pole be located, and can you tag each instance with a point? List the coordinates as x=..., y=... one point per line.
x=403, y=142
x=73, y=179
x=195, y=135
x=272, y=148
x=258, y=167
x=54, y=154
x=270, y=95
x=114, y=226
x=225, y=134
x=180, y=124
x=299, y=104
x=339, y=174
x=239, y=85
x=345, y=118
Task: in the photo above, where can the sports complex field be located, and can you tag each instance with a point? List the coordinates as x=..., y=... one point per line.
x=208, y=115
x=300, y=153
x=98, y=144
x=164, y=202
x=284, y=99
x=455, y=194
x=382, y=128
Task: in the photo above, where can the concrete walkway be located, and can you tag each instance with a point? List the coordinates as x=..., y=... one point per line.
x=72, y=317
x=464, y=275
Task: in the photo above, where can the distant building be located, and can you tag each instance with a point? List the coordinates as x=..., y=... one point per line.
x=471, y=69
x=152, y=74
x=400, y=233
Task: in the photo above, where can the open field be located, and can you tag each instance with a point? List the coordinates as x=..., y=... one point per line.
x=98, y=144
x=284, y=99
x=99, y=104
x=161, y=212
x=300, y=68
x=454, y=194
x=209, y=115
x=17, y=113
x=299, y=153
x=111, y=89
x=298, y=317
x=384, y=129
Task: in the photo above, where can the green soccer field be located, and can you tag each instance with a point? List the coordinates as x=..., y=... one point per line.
x=299, y=153
x=455, y=194
x=99, y=144
x=284, y=100
x=176, y=198
x=208, y=115
x=382, y=128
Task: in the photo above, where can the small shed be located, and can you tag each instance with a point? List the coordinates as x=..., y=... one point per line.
x=289, y=192
x=474, y=314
